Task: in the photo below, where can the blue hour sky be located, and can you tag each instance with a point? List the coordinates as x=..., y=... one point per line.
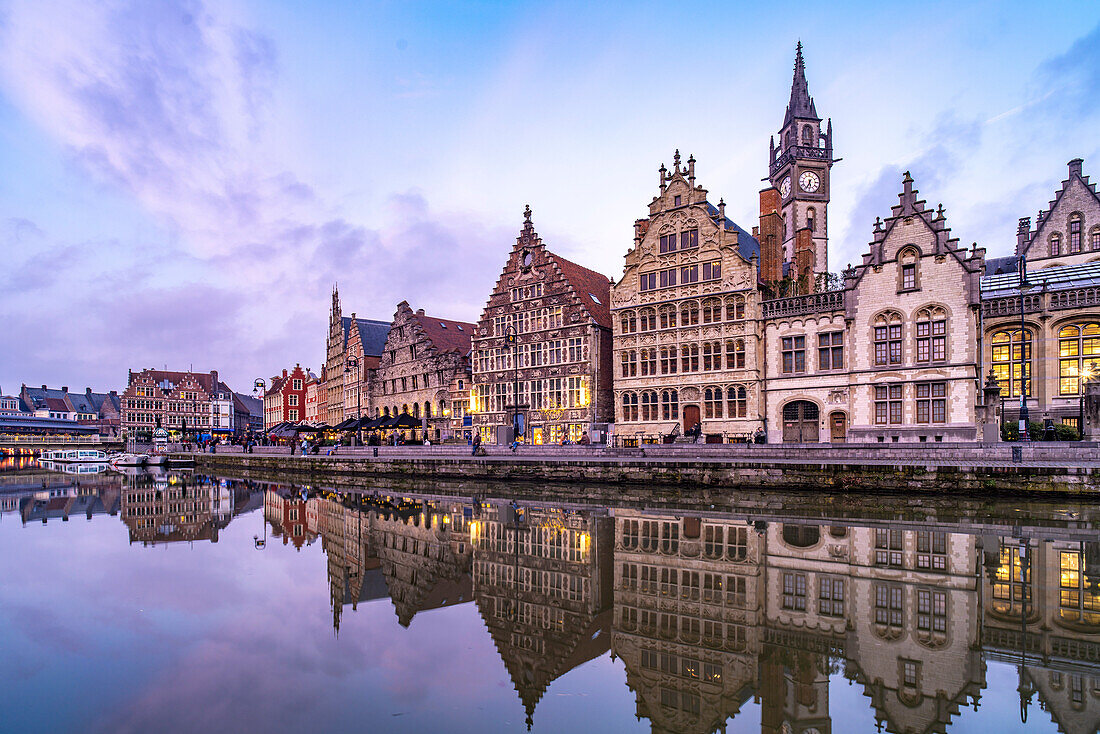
x=182, y=182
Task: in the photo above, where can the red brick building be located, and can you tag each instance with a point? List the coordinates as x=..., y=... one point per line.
x=285, y=399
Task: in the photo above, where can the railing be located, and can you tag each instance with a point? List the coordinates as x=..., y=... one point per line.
x=8, y=439
x=810, y=303
x=1075, y=298
x=1010, y=305
x=800, y=151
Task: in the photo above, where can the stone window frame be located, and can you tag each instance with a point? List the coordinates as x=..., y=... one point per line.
x=738, y=310
x=887, y=318
x=647, y=315
x=788, y=344
x=628, y=322
x=712, y=355
x=1094, y=238
x=811, y=219
x=689, y=313
x=1078, y=219
x=909, y=256
x=712, y=309
x=737, y=401
x=689, y=357
x=1054, y=243
x=808, y=135
x=713, y=402
x=669, y=358
x=649, y=402
x=1008, y=338
x=668, y=316
x=647, y=360
x=735, y=354
x=628, y=363
x=931, y=314
x=670, y=404
x=925, y=628
x=628, y=402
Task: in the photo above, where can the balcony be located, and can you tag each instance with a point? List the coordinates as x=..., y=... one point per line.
x=810, y=303
x=800, y=152
x=1010, y=305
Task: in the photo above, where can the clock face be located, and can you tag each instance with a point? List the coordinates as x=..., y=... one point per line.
x=785, y=187
x=809, y=182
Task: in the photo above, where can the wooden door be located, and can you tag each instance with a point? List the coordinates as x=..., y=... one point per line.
x=800, y=422
x=691, y=417
x=838, y=428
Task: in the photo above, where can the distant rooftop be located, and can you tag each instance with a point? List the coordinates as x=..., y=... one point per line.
x=1053, y=279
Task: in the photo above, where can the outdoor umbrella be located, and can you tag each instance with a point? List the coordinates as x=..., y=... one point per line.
x=347, y=425
x=371, y=425
x=402, y=421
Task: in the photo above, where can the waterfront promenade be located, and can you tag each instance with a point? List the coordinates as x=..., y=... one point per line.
x=951, y=468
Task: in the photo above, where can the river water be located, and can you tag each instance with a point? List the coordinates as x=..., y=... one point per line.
x=180, y=603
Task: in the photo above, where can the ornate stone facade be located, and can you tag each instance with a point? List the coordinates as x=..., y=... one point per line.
x=351, y=341
x=685, y=317
x=422, y=356
x=561, y=354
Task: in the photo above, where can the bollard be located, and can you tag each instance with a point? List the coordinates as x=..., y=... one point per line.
x=1017, y=454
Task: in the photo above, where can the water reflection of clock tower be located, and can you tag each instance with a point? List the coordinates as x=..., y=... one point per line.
x=799, y=170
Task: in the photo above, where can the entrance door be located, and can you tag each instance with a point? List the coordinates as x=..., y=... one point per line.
x=838, y=427
x=691, y=417
x=800, y=422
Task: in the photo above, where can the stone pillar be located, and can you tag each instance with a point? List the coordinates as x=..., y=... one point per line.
x=1091, y=429
x=989, y=411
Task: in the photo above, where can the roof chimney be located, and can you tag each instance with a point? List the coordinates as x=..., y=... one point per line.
x=1023, y=231
x=284, y=373
x=419, y=312
x=43, y=387
x=1075, y=167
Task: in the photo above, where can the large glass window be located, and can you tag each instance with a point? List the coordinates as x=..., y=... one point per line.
x=712, y=402
x=794, y=354
x=1074, y=235
x=1011, y=373
x=1078, y=356
x=830, y=350
x=737, y=401
x=1077, y=601
x=931, y=402
x=887, y=336
x=670, y=405
x=794, y=591
x=1011, y=583
x=888, y=404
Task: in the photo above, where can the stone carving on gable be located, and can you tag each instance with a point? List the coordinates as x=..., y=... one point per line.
x=837, y=397
x=649, y=339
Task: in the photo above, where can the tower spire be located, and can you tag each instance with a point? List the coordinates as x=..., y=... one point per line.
x=801, y=104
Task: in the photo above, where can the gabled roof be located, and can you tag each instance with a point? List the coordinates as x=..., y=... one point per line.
x=592, y=288
x=1075, y=172
x=247, y=404
x=173, y=378
x=446, y=335
x=747, y=245
x=372, y=333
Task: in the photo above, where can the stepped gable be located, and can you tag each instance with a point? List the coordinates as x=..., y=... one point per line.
x=372, y=333
x=1031, y=236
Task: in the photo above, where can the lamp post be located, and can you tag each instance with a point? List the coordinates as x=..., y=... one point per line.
x=1083, y=376
x=259, y=389
x=510, y=338
x=1024, y=287
x=352, y=365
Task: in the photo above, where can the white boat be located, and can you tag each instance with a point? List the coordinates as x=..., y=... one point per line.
x=74, y=467
x=128, y=459
x=88, y=456
x=156, y=460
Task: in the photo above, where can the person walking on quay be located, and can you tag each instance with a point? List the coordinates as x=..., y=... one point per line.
x=477, y=443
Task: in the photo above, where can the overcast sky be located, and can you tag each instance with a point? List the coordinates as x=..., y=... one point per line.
x=182, y=182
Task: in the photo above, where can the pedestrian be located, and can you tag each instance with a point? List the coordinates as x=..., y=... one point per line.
x=585, y=440
x=477, y=444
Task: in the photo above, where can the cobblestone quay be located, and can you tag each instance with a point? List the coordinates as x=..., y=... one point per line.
x=969, y=469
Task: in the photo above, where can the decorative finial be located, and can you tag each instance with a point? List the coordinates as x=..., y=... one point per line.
x=939, y=211
x=527, y=214
x=676, y=159
x=878, y=223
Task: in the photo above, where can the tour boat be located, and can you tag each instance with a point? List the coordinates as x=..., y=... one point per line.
x=73, y=467
x=128, y=460
x=88, y=456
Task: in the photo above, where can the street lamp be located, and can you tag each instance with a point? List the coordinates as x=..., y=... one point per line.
x=259, y=390
x=1085, y=374
x=351, y=364
x=510, y=338
x=1024, y=288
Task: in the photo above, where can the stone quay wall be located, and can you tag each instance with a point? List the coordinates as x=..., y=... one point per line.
x=894, y=471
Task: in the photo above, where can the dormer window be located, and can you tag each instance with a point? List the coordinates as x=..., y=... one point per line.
x=676, y=201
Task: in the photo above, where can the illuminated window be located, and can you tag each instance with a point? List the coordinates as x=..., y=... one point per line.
x=1011, y=584
x=1079, y=356
x=1077, y=601
x=1007, y=364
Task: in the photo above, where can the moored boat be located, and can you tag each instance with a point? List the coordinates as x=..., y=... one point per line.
x=90, y=456
x=128, y=459
x=156, y=460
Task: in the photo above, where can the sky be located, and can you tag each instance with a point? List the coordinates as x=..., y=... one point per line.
x=182, y=183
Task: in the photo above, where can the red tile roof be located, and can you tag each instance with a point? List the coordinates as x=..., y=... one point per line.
x=57, y=404
x=447, y=335
x=203, y=378
x=588, y=283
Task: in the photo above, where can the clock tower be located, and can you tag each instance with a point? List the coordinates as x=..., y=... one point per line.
x=799, y=171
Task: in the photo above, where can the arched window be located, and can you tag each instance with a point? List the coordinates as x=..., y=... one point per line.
x=735, y=354
x=1094, y=239
x=630, y=406
x=1007, y=365
x=668, y=317
x=670, y=405
x=811, y=219
x=887, y=335
x=712, y=311
x=712, y=402
x=737, y=401
x=627, y=323
x=909, y=269
x=1079, y=356
x=808, y=135
x=649, y=405
x=1055, y=244
x=647, y=320
x=649, y=361
x=1074, y=234
x=416, y=410
x=735, y=308
x=668, y=360
x=712, y=356
x=1011, y=584
x=931, y=335
x=801, y=536
x=689, y=358
x=427, y=409
x=630, y=363
x=789, y=140
x=689, y=314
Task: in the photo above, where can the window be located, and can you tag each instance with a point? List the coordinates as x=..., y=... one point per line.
x=667, y=278
x=649, y=361
x=712, y=311
x=931, y=402
x=794, y=591
x=668, y=360
x=668, y=242
x=689, y=314
x=807, y=135
x=1011, y=583
x=649, y=405
x=627, y=323
x=887, y=335
x=647, y=281
x=931, y=550
x=908, y=277
x=689, y=274
x=676, y=200
x=888, y=404
x=1079, y=356
x=931, y=335
x=712, y=270
x=712, y=402
x=630, y=364
x=830, y=350
x=689, y=238
x=296, y=384
x=888, y=548
x=670, y=405
x=1078, y=601
x=647, y=320
x=668, y=317
x=292, y=400
x=830, y=597
x=811, y=219
x=712, y=356
x=735, y=308
x=910, y=673
x=736, y=401
x=794, y=354
x=735, y=354
x=689, y=358
x=713, y=543
x=1074, y=234
x=1055, y=244
x=1094, y=240
x=931, y=611
x=889, y=607
x=293, y=414
x=1007, y=364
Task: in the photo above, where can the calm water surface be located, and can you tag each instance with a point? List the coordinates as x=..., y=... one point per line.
x=180, y=603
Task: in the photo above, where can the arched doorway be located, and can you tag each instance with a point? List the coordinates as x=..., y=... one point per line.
x=800, y=422
x=838, y=427
x=691, y=417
